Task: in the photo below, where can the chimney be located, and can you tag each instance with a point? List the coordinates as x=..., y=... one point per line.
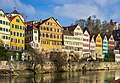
x=40, y=20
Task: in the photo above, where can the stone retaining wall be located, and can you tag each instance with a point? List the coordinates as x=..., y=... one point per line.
x=73, y=66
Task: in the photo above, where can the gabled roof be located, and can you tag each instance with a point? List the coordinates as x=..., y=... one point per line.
x=71, y=28
x=15, y=12
x=43, y=21
x=85, y=30
x=4, y=13
x=92, y=36
x=12, y=17
x=30, y=24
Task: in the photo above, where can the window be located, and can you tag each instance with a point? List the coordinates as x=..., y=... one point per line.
x=19, y=49
x=7, y=23
x=11, y=39
x=35, y=31
x=3, y=37
x=14, y=34
x=0, y=21
x=16, y=26
x=17, y=33
x=0, y=14
x=17, y=20
x=6, y=30
x=15, y=40
x=20, y=34
x=3, y=22
x=50, y=29
x=0, y=28
x=3, y=29
x=7, y=37
x=18, y=40
x=20, y=27
x=12, y=25
x=35, y=38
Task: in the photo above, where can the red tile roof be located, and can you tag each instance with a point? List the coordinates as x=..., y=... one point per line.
x=11, y=17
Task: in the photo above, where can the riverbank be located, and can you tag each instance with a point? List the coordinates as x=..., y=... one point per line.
x=27, y=67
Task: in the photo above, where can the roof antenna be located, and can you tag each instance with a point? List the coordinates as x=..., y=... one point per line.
x=14, y=8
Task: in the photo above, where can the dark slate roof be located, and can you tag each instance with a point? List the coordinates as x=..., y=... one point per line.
x=85, y=30
x=70, y=28
x=66, y=32
x=15, y=12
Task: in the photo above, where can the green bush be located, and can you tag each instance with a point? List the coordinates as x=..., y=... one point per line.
x=108, y=60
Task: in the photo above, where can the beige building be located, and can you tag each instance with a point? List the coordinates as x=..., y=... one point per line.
x=4, y=29
x=72, y=38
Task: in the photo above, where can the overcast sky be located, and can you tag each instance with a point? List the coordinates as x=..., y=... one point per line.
x=66, y=11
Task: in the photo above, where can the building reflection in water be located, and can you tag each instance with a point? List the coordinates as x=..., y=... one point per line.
x=67, y=77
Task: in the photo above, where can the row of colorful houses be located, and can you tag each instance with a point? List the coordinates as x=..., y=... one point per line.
x=12, y=30
x=49, y=35
x=78, y=40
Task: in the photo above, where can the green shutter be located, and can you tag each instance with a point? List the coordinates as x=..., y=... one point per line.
x=0, y=21
x=12, y=25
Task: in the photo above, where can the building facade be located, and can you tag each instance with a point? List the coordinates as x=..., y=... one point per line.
x=92, y=46
x=105, y=47
x=32, y=35
x=50, y=35
x=4, y=29
x=111, y=43
x=86, y=44
x=98, y=47
x=72, y=39
x=17, y=38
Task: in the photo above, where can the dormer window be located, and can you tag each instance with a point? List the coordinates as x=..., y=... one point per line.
x=17, y=20
x=78, y=28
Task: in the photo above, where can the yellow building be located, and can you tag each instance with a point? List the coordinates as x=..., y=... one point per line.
x=50, y=35
x=17, y=33
x=4, y=29
x=98, y=48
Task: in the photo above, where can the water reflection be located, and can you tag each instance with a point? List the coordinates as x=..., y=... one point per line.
x=67, y=77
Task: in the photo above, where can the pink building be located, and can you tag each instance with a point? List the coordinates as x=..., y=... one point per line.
x=86, y=43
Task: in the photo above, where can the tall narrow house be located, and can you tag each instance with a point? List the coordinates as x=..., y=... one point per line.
x=4, y=29
x=98, y=47
x=86, y=43
x=105, y=47
x=92, y=47
x=111, y=43
x=32, y=35
x=50, y=35
x=17, y=31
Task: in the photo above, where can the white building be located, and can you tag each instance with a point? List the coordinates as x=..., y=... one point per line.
x=4, y=29
x=32, y=34
x=92, y=46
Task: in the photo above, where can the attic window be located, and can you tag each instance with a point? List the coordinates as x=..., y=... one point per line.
x=17, y=20
x=78, y=28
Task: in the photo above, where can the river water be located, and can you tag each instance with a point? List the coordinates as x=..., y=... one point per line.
x=67, y=77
